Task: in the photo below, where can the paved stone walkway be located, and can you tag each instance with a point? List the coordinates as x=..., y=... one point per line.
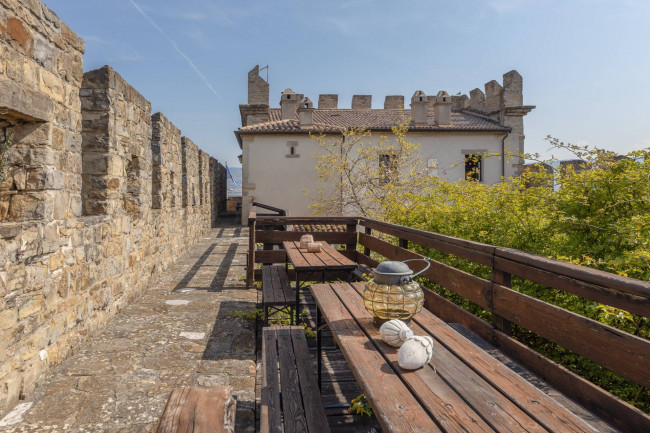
x=180, y=331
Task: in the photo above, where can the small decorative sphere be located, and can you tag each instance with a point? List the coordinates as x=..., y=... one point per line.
x=395, y=332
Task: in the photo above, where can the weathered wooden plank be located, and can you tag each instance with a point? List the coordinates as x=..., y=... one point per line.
x=396, y=408
x=611, y=409
x=292, y=408
x=456, y=350
x=270, y=410
x=277, y=237
x=337, y=256
x=349, y=254
x=270, y=256
x=199, y=410
x=450, y=312
x=314, y=409
x=299, y=260
x=450, y=409
x=366, y=260
x=462, y=283
x=288, y=292
x=463, y=246
x=631, y=302
x=329, y=275
x=286, y=220
x=616, y=350
x=403, y=232
x=588, y=275
x=250, y=255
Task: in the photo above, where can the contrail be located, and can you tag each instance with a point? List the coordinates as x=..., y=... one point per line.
x=175, y=46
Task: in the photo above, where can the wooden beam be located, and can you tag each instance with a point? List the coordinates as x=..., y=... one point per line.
x=616, y=350
x=629, y=300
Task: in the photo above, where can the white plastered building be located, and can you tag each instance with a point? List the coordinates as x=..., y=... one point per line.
x=278, y=163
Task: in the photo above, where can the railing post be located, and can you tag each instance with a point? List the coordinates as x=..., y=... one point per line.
x=351, y=228
x=503, y=279
x=366, y=250
x=252, y=245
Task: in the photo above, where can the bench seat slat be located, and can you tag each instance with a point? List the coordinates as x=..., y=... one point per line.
x=270, y=419
x=275, y=286
x=308, y=384
x=296, y=391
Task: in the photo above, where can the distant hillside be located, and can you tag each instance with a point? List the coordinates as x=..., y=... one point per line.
x=234, y=191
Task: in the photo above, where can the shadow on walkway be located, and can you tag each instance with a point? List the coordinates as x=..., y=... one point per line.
x=188, y=277
x=232, y=337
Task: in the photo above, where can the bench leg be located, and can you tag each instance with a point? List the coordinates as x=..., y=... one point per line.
x=297, y=299
x=319, y=347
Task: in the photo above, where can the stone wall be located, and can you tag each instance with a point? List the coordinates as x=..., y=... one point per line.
x=94, y=203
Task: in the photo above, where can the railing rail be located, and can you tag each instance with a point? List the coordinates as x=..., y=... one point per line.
x=616, y=350
x=277, y=210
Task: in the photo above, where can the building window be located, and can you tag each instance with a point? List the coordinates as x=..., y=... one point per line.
x=293, y=150
x=473, y=167
x=387, y=166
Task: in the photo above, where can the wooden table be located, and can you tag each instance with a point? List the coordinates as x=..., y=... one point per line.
x=462, y=389
x=328, y=263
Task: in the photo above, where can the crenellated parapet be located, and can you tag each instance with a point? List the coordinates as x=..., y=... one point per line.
x=116, y=145
x=167, y=164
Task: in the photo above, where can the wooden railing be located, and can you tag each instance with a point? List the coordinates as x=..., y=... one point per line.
x=616, y=350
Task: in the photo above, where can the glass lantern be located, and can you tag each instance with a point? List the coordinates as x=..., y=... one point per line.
x=392, y=293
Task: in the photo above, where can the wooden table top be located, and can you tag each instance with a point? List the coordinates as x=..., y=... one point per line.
x=328, y=259
x=462, y=389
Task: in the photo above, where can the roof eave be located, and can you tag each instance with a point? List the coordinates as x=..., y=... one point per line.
x=339, y=131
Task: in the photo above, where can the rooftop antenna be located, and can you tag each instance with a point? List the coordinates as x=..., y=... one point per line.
x=267, y=72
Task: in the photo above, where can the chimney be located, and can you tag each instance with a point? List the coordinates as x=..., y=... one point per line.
x=442, y=108
x=306, y=113
x=328, y=101
x=419, y=108
x=361, y=102
x=394, y=102
x=258, y=88
x=288, y=104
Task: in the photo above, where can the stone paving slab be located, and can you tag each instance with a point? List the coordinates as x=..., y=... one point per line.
x=180, y=331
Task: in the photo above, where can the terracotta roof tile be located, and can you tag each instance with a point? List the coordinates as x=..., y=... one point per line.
x=335, y=120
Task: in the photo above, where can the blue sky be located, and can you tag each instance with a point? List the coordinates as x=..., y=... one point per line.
x=585, y=63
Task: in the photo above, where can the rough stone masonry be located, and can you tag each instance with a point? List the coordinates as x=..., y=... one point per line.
x=99, y=196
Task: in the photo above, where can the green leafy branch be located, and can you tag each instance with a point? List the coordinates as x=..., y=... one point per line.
x=360, y=406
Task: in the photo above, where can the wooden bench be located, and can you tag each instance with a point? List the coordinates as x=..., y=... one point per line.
x=277, y=292
x=291, y=399
x=197, y=409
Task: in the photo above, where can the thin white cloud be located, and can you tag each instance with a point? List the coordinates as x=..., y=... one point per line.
x=176, y=48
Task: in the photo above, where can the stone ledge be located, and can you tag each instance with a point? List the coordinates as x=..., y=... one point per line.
x=18, y=104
